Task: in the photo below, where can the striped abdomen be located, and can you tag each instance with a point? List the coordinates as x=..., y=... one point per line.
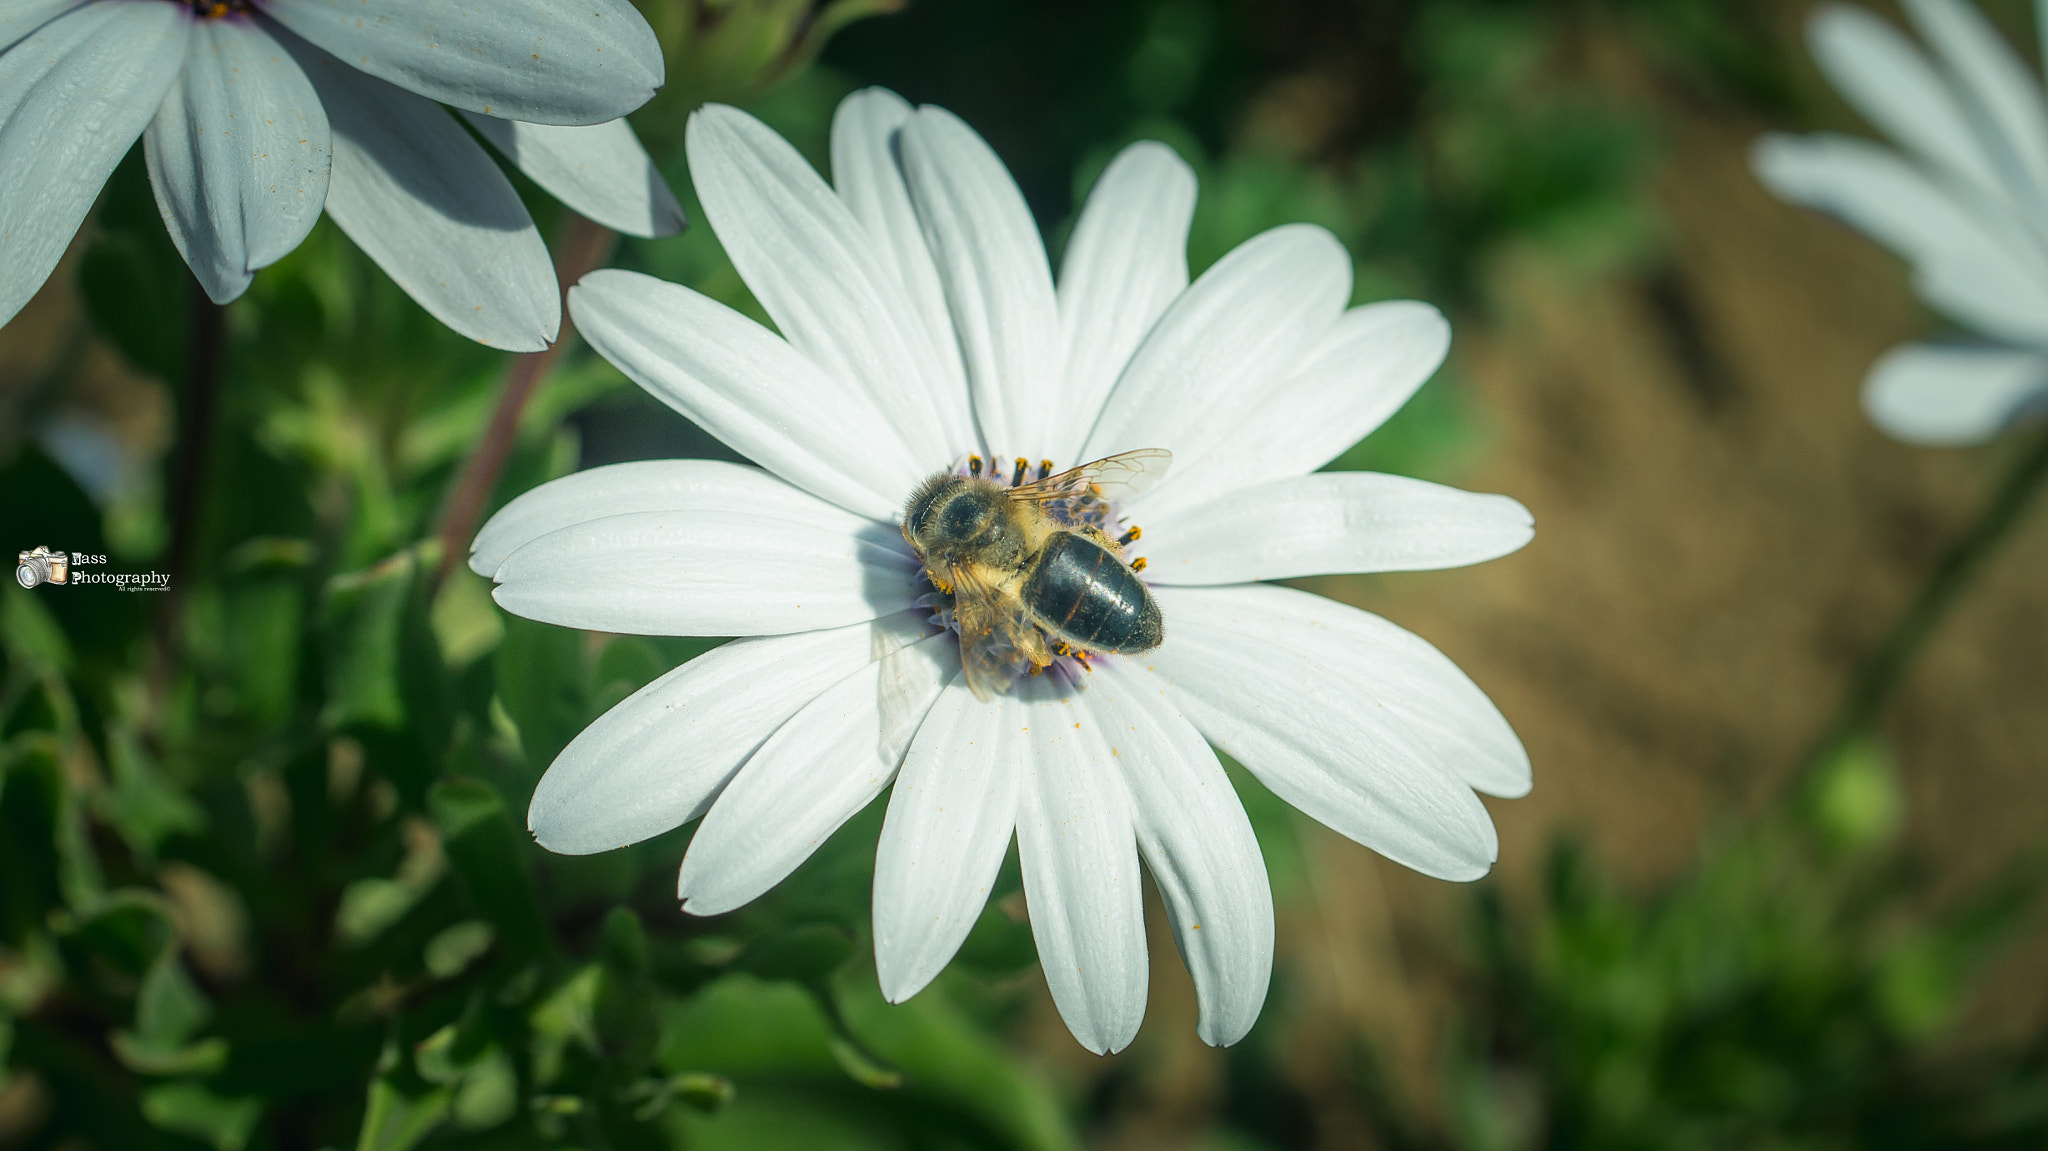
x=1084, y=593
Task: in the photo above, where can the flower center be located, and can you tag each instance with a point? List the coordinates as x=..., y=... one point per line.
x=1029, y=567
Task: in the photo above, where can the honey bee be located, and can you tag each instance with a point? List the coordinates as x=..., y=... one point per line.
x=1032, y=571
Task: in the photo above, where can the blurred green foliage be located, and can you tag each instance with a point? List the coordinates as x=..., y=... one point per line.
x=271, y=889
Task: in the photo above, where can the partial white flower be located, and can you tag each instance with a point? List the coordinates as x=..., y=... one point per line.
x=256, y=114
x=1964, y=200
x=920, y=322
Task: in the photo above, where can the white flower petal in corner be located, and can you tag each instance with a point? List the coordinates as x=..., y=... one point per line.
x=543, y=61
x=238, y=155
x=1199, y=846
x=1945, y=395
x=73, y=97
x=728, y=571
x=1971, y=259
x=1080, y=860
x=657, y=759
x=422, y=198
x=812, y=775
x=1998, y=84
x=949, y=822
x=1879, y=71
x=1331, y=522
x=22, y=17
x=600, y=170
x=1083, y=737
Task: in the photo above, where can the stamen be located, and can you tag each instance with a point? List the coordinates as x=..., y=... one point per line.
x=1023, y=465
x=974, y=466
x=1044, y=469
x=1138, y=565
x=1130, y=537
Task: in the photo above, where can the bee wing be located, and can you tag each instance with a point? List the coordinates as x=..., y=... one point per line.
x=1125, y=476
x=993, y=631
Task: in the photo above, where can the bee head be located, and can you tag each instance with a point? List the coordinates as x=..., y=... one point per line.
x=949, y=510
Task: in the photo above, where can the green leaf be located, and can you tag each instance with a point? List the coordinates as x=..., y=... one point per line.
x=370, y=907
x=950, y=1061
x=147, y=1057
x=190, y=1109
x=30, y=633
x=489, y=1093
x=541, y=685
x=487, y=852
x=395, y=1121
x=170, y=1008
x=804, y=953
x=364, y=613
x=450, y=952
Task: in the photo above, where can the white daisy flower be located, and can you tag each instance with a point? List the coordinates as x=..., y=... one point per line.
x=1964, y=200
x=921, y=327
x=256, y=114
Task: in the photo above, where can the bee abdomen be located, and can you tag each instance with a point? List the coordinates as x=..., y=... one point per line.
x=1085, y=594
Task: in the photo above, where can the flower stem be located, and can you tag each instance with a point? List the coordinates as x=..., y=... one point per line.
x=1886, y=668
x=581, y=248
x=205, y=342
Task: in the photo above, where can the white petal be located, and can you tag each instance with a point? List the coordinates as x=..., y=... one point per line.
x=699, y=571
x=866, y=132
x=950, y=817
x=1998, y=82
x=1266, y=683
x=1970, y=258
x=1884, y=75
x=812, y=266
x=18, y=18
x=1126, y=261
x=600, y=170
x=73, y=96
x=1215, y=355
x=545, y=61
x=1382, y=667
x=1330, y=523
x=1080, y=860
x=1198, y=845
x=1360, y=373
x=998, y=284
x=656, y=760
x=744, y=385
x=238, y=154
x=1949, y=394
x=816, y=772
x=422, y=198
x=641, y=486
